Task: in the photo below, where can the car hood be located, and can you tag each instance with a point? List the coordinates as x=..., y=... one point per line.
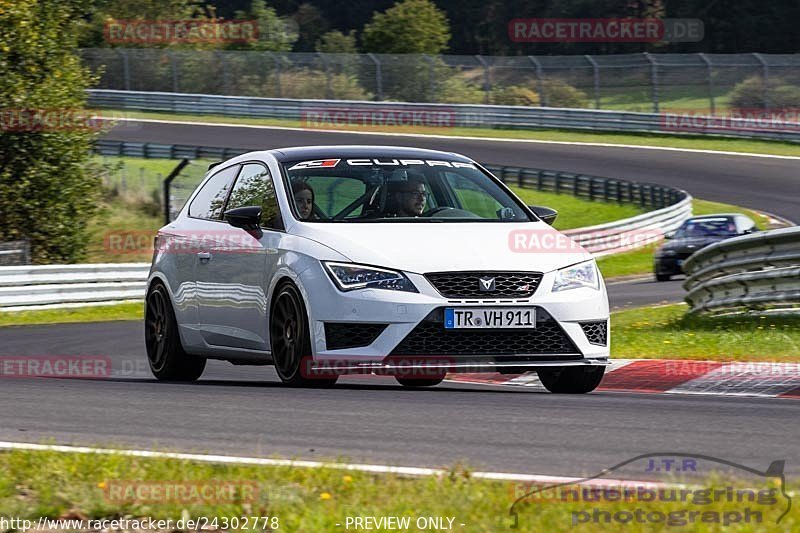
x=436, y=247
x=691, y=245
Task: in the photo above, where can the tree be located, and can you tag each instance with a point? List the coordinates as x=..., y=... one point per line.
x=409, y=27
x=275, y=34
x=49, y=189
x=336, y=42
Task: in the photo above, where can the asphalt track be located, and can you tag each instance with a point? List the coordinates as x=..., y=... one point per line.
x=768, y=184
x=245, y=411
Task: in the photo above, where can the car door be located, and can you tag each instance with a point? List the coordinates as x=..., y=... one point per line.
x=232, y=281
x=190, y=242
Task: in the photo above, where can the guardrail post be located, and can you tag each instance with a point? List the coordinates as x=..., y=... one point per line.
x=520, y=179
x=487, y=78
x=653, y=80
x=596, y=70
x=378, y=77
x=765, y=75
x=539, y=85
x=710, y=79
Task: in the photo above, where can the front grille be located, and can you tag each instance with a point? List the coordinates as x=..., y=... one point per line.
x=339, y=336
x=468, y=284
x=430, y=338
x=596, y=332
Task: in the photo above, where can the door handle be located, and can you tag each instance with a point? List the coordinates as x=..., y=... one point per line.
x=204, y=256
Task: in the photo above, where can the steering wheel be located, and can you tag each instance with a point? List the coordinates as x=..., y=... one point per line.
x=435, y=210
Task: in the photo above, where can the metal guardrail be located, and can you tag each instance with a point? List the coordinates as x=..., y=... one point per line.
x=755, y=271
x=327, y=114
x=58, y=285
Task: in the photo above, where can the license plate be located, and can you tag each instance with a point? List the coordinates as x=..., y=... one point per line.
x=489, y=317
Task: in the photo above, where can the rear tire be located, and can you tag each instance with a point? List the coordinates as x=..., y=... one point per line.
x=290, y=340
x=420, y=382
x=663, y=277
x=165, y=354
x=572, y=379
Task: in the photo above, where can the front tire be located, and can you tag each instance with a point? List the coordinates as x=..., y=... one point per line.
x=572, y=379
x=165, y=354
x=290, y=340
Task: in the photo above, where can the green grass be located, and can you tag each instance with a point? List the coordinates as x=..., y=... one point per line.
x=669, y=333
x=97, y=313
x=640, y=261
x=37, y=484
x=123, y=231
x=697, y=142
x=576, y=212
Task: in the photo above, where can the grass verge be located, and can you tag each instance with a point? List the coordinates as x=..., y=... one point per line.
x=669, y=333
x=696, y=142
x=37, y=484
x=97, y=313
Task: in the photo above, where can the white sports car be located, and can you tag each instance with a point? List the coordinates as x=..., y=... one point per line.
x=331, y=260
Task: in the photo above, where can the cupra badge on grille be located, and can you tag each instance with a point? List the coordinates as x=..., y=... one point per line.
x=486, y=284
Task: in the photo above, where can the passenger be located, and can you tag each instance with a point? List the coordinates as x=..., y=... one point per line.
x=406, y=198
x=304, y=200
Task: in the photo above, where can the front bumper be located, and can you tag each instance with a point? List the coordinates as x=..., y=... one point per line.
x=402, y=314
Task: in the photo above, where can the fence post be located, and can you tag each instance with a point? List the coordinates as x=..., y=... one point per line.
x=328, y=89
x=596, y=70
x=174, y=64
x=378, y=78
x=765, y=66
x=126, y=68
x=431, y=91
x=539, y=85
x=710, y=81
x=277, y=61
x=653, y=81
x=226, y=73
x=487, y=78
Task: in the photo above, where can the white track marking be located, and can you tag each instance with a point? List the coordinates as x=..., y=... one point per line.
x=455, y=137
x=259, y=461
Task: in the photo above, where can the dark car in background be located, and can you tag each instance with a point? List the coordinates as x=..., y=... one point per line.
x=694, y=234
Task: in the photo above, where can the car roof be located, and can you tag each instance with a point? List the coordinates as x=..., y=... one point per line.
x=317, y=152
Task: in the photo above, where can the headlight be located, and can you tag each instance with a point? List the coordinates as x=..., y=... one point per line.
x=666, y=253
x=350, y=276
x=577, y=276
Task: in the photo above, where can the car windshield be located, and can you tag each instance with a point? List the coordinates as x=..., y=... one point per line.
x=708, y=227
x=398, y=190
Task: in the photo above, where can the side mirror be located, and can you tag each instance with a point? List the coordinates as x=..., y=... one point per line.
x=668, y=235
x=247, y=218
x=748, y=231
x=545, y=213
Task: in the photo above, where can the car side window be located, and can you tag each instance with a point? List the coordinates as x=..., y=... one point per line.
x=209, y=201
x=254, y=187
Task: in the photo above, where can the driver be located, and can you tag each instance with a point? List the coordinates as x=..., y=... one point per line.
x=407, y=198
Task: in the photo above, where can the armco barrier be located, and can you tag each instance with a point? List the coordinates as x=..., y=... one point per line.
x=755, y=271
x=462, y=115
x=33, y=286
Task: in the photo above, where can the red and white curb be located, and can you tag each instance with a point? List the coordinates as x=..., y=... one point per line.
x=664, y=376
